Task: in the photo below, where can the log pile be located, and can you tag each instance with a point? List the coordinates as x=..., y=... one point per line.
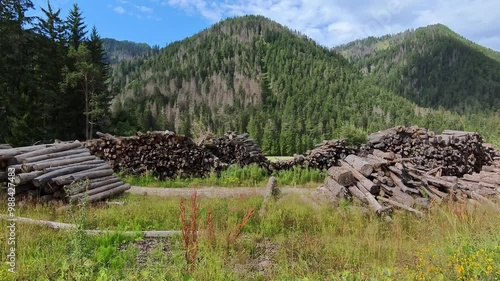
x=62, y=171
x=233, y=148
x=456, y=153
x=385, y=183
x=322, y=156
x=164, y=154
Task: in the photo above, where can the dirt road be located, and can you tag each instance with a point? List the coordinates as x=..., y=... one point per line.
x=221, y=192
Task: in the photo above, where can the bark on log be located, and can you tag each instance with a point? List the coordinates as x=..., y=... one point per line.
x=67, y=179
x=89, y=192
x=372, y=202
x=26, y=177
x=399, y=183
x=108, y=193
x=48, y=150
x=6, y=154
x=354, y=190
x=52, y=164
x=92, y=185
x=42, y=179
x=337, y=190
x=54, y=155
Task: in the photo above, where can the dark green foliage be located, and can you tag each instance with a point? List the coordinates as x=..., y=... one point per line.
x=124, y=50
x=48, y=70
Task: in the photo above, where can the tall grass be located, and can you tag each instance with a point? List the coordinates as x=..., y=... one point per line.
x=293, y=240
x=234, y=176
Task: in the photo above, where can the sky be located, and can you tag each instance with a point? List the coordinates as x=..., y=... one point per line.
x=330, y=23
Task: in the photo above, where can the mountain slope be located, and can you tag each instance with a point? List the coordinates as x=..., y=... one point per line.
x=252, y=74
x=432, y=66
x=123, y=50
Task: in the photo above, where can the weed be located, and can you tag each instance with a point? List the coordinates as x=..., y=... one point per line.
x=190, y=232
x=232, y=236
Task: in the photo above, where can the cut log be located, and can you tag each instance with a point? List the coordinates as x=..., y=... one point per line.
x=396, y=204
x=90, y=192
x=358, y=194
x=384, y=155
x=54, y=155
x=42, y=179
x=108, y=193
x=26, y=177
x=6, y=154
x=337, y=191
x=372, y=202
x=52, y=164
x=399, y=183
x=368, y=184
x=341, y=175
x=360, y=164
x=72, y=190
x=48, y=150
x=67, y=179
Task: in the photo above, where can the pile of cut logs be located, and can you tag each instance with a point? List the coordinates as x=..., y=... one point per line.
x=323, y=156
x=164, y=154
x=65, y=171
x=235, y=148
x=382, y=182
x=455, y=153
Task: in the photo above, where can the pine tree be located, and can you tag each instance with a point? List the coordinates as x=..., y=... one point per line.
x=76, y=27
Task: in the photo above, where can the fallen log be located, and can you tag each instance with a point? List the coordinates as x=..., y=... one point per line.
x=26, y=177
x=108, y=193
x=90, y=192
x=399, y=183
x=372, y=202
x=92, y=185
x=68, y=226
x=397, y=204
x=42, y=179
x=341, y=175
x=360, y=164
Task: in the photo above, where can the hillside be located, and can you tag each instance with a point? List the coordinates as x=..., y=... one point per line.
x=432, y=66
x=252, y=74
x=123, y=50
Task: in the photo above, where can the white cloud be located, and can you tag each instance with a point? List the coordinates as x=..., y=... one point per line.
x=336, y=22
x=119, y=10
x=144, y=9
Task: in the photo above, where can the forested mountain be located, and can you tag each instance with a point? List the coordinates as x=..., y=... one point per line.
x=432, y=66
x=252, y=74
x=125, y=50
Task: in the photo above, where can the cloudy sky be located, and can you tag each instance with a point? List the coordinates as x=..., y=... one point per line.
x=329, y=22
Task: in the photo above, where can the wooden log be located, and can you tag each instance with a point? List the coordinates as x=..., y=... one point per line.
x=341, y=175
x=354, y=190
x=108, y=193
x=337, y=191
x=6, y=154
x=92, y=185
x=5, y=146
x=3, y=176
x=67, y=179
x=384, y=155
x=431, y=195
x=491, y=169
x=360, y=164
x=90, y=192
x=91, y=162
x=368, y=184
x=440, y=182
x=42, y=179
x=59, y=163
x=26, y=177
x=399, y=183
x=61, y=225
x=372, y=201
x=399, y=205
x=54, y=155
x=48, y=150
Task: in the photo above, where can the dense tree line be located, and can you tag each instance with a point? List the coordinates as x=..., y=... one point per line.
x=251, y=74
x=54, y=78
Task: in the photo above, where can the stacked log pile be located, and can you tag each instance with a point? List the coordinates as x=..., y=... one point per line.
x=323, y=156
x=233, y=148
x=456, y=153
x=383, y=182
x=65, y=171
x=164, y=154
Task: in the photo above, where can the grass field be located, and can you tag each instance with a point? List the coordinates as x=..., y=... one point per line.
x=291, y=240
x=248, y=176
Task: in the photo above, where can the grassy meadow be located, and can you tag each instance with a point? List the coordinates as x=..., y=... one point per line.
x=293, y=238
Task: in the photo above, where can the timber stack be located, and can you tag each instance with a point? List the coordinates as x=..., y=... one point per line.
x=455, y=153
x=382, y=182
x=322, y=156
x=233, y=148
x=161, y=153
x=61, y=171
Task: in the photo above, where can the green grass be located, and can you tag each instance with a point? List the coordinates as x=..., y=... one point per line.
x=301, y=241
x=234, y=176
x=279, y=158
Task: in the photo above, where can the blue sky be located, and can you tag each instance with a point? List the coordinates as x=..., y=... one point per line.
x=329, y=22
